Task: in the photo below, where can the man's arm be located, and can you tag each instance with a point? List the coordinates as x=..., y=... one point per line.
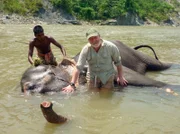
x=120, y=79
x=63, y=51
x=75, y=75
x=76, y=71
x=117, y=61
x=30, y=53
x=71, y=86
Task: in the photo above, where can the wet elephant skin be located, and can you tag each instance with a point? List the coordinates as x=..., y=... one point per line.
x=46, y=78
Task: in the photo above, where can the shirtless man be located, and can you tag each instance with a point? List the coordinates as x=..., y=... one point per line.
x=42, y=43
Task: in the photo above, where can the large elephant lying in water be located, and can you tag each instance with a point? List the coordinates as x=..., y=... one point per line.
x=46, y=78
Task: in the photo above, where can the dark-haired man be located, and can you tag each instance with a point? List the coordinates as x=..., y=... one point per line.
x=42, y=43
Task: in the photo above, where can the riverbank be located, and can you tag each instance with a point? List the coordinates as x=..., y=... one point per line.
x=17, y=19
x=49, y=14
x=59, y=19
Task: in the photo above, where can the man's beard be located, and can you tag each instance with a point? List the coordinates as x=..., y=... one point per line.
x=96, y=45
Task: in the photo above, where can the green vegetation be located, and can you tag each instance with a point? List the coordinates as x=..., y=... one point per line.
x=21, y=7
x=156, y=10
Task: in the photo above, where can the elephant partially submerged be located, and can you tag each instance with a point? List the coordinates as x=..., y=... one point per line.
x=46, y=78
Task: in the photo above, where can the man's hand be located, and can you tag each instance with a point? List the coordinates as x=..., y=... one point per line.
x=68, y=89
x=122, y=81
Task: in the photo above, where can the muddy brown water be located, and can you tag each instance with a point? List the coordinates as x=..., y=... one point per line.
x=136, y=110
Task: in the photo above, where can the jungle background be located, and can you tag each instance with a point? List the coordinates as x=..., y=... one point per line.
x=115, y=12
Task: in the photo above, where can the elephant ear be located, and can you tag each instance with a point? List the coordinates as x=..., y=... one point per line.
x=67, y=65
x=67, y=62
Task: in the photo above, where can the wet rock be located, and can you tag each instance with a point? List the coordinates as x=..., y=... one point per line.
x=109, y=22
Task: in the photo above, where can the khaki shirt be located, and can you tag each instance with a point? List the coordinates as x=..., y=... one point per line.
x=100, y=64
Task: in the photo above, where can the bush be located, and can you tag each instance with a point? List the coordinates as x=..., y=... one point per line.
x=88, y=13
x=157, y=10
x=21, y=7
x=63, y=4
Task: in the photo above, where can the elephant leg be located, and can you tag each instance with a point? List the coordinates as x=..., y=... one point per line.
x=50, y=115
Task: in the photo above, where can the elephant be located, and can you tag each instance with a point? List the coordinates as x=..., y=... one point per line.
x=48, y=78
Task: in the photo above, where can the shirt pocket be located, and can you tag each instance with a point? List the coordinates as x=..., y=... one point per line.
x=106, y=52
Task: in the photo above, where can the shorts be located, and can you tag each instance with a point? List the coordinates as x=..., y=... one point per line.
x=97, y=84
x=48, y=59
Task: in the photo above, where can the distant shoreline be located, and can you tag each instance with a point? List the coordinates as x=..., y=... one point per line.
x=17, y=19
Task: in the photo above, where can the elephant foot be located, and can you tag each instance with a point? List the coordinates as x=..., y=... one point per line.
x=50, y=115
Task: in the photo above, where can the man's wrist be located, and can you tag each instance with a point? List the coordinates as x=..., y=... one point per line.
x=72, y=85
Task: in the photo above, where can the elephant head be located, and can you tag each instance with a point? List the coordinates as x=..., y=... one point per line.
x=47, y=78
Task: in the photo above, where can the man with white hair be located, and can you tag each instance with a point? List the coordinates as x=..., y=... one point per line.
x=101, y=56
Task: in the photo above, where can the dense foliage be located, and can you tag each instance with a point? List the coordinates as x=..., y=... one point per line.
x=156, y=10
x=20, y=6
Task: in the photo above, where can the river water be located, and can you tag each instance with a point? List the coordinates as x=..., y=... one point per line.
x=135, y=110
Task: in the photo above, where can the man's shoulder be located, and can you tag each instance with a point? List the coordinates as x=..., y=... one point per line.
x=50, y=38
x=86, y=47
x=108, y=43
x=33, y=41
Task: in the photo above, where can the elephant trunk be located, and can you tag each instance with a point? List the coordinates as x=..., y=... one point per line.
x=50, y=115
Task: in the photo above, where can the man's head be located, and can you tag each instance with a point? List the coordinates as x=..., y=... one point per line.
x=38, y=29
x=93, y=37
x=92, y=32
